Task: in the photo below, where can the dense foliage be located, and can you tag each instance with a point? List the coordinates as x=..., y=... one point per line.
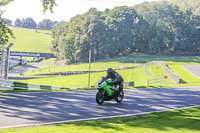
x=5, y=32
x=28, y=23
x=46, y=24
x=151, y=28
x=8, y=21
x=17, y=23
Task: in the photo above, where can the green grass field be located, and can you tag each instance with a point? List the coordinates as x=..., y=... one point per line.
x=27, y=40
x=139, y=76
x=55, y=68
x=177, y=121
x=116, y=63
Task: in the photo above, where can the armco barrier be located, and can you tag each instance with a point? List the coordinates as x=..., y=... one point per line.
x=11, y=85
x=128, y=84
x=19, y=85
x=6, y=84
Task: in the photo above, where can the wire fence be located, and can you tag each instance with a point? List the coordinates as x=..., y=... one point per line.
x=172, y=75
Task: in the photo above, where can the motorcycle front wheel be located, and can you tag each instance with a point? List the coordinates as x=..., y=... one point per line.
x=119, y=96
x=100, y=97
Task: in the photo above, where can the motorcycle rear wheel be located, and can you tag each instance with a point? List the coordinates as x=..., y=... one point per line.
x=119, y=96
x=100, y=97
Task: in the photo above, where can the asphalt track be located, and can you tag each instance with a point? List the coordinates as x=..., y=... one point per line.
x=22, y=69
x=194, y=69
x=23, y=109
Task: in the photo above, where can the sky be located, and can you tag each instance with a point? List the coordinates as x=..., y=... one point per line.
x=64, y=10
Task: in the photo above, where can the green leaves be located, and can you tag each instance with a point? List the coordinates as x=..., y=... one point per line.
x=5, y=32
x=48, y=4
x=5, y=2
x=150, y=28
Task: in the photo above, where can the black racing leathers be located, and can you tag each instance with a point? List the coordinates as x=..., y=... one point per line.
x=116, y=79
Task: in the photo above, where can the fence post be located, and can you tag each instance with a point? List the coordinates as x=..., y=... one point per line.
x=89, y=68
x=2, y=63
x=7, y=60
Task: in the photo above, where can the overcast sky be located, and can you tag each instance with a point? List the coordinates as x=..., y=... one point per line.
x=64, y=10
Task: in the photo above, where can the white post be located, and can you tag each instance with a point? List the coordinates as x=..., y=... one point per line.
x=7, y=60
x=89, y=68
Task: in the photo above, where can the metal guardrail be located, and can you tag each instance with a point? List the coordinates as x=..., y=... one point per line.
x=11, y=85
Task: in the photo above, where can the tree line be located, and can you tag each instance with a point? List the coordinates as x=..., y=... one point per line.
x=164, y=27
x=30, y=23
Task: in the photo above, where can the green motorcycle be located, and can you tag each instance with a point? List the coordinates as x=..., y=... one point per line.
x=107, y=92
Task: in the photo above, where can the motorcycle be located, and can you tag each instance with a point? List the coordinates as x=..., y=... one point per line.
x=107, y=92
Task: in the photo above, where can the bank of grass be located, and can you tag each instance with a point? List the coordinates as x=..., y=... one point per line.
x=116, y=63
x=55, y=68
x=176, y=121
x=158, y=71
x=139, y=76
x=185, y=76
x=28, y=40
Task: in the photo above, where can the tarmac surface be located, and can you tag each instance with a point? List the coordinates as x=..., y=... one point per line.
x=18, y=71
x=25, y=109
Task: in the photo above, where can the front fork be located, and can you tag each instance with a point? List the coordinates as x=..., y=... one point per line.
x=102, y=91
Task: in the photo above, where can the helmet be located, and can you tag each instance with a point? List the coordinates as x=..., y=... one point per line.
x=110, y=71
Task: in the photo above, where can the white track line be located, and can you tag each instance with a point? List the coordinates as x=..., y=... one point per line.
x=95, y=118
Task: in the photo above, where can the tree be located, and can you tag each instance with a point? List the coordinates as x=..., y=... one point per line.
x=8, y=21
x=119, y=38
x=5, y=32
x=17, y=23
x=46, y=24
x=29, y=23
x=92, y=35
x=150, y=28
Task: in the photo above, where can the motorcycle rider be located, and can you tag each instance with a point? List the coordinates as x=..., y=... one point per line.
x=115, y=77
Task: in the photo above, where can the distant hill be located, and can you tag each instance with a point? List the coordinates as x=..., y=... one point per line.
x=31, y=40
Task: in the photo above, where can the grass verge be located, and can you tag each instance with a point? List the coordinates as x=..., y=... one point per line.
x=185, y=76
x=55, y=68
x=176, y=121
x=139, y=76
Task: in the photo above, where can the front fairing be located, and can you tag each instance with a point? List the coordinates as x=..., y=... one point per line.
x=102, y=83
